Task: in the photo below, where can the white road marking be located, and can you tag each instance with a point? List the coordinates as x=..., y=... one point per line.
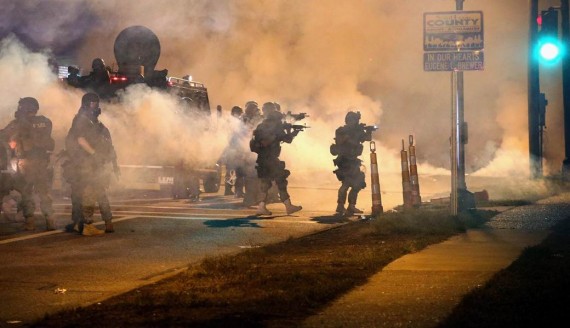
x=31, y=236
x=183, y=216
x=53, y=232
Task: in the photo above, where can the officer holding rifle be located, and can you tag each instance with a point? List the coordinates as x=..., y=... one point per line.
x=266, y=142
x=347, y=148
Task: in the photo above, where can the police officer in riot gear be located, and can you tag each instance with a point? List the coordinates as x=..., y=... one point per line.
x=347, y=147
x=98, y=79
x=234, y=156
x=90, y=148
x=29, y=135
x=251, y=118
x=252, y=115
x=266, y=142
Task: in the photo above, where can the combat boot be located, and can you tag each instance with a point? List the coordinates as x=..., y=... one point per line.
x=90, y=230
x=74, y=227
x=351, y=210
x=262, y=210
x=109, y=227
x=30, y=224
x=50, y=223
x=340, y=209
x=290, y=208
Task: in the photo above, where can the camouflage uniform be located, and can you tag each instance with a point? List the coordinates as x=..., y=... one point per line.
x=266, y=142
x=30, y=136
x=348, y=146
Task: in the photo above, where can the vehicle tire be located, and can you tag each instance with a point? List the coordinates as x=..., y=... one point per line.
x=211, y=183
x=179, y=189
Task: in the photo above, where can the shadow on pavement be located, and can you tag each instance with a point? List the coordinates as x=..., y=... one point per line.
x=247, y=222
x=330, y=219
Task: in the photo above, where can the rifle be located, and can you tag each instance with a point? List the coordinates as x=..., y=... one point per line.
x=295, y=127
x=297, y=117
x=369, y=128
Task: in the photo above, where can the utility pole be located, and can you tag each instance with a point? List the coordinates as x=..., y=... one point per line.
x=535, y=155
x=461, y=198
x=564, y=9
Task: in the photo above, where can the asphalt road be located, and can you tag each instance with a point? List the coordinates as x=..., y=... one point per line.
x=46, y=271
x=43, y=272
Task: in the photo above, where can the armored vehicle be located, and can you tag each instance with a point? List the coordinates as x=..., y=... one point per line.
x=137, y=50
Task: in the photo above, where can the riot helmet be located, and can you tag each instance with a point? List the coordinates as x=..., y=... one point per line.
x=88, y=98
x=251, y=103
x=98, y=64
x=268, y=107
x=352, y=118
x=86, y=101
x=251, y=109
x=28, y=104
x=236, y=111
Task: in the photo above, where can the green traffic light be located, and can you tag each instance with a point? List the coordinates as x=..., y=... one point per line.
x=549, y=51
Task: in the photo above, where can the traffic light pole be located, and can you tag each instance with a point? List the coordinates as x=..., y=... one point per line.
x=564, y=9
x=535, y=156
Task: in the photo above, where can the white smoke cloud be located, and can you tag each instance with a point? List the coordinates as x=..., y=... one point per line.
x=28, y=75
x=146, y=125
x=149, y=128
x=322, y=57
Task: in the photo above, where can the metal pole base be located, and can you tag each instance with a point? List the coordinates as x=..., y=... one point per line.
x=466, y=200
x=566, y=169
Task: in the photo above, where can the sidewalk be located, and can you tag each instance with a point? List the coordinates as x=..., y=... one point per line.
x=421, y=289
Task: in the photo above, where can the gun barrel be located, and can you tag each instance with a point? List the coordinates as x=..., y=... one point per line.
x=297, y=117
x=296, y=126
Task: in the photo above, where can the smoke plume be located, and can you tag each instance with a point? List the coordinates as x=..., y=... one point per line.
x=322, y=57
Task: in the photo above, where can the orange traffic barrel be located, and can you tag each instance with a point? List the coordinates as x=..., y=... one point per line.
x=406, y=186
x=375, y=178
x=414, y=178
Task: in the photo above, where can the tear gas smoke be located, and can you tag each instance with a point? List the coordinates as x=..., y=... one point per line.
x=321, y=57
x=149, y=128
x=28, y=74
x=58, y=25
x=146, y=125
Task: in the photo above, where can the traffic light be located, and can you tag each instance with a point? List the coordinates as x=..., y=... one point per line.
x=549, y=46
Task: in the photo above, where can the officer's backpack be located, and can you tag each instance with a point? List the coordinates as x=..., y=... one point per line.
x=346, y=144
x=255, y=145
x=334, y=149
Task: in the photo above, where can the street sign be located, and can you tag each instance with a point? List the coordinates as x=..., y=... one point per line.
x=453, y=41
x=453, y=31
x=454, y=61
